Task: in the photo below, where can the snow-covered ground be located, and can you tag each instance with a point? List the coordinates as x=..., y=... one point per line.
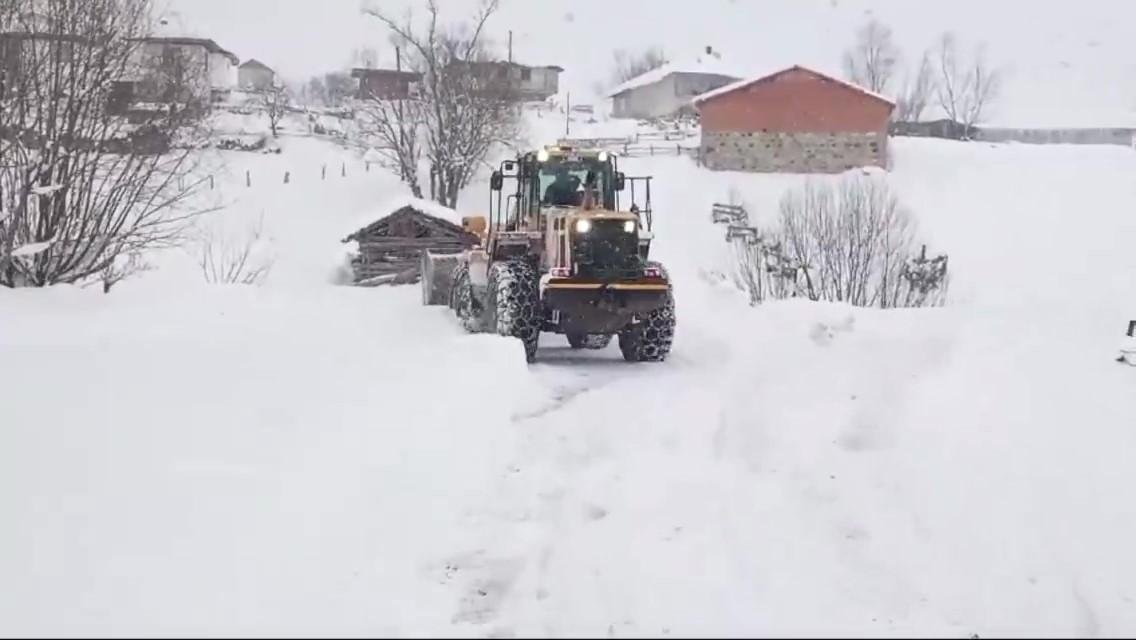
x=300, y=458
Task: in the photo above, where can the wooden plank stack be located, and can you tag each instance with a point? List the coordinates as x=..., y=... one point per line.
x=391, y=248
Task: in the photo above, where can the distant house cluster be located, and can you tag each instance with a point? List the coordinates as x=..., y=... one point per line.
x=165, y=69
x=521, y=82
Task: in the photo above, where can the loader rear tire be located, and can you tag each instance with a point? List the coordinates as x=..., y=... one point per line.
x=589, y=340
x=513, y=303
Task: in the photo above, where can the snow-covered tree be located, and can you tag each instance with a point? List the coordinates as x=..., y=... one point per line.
x=468, y=101
x=79, y=185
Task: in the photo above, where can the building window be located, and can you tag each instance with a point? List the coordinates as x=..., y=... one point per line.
x=526, y=74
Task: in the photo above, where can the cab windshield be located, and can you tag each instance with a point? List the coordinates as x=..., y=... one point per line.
x=562, y=181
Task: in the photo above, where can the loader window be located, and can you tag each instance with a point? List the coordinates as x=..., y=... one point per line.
x=562, y=182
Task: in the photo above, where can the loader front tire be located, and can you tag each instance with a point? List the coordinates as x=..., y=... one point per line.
x=650, y=339
x=589, y=340
x=514, y=303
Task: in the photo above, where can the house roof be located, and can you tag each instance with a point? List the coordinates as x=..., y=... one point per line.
x=506, y=63
x=741, y=84
x=210, y=45
x=253, y=62
x=703, y=63
x=359, y=73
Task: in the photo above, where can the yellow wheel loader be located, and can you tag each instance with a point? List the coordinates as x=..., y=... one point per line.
x=558, y=254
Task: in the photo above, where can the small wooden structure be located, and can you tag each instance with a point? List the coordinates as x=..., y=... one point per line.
x=391, y=248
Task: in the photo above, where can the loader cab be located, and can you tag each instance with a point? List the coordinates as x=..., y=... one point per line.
x=525, y=191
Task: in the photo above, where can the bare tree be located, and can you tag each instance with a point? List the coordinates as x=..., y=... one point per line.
x=872, y=60
x=628, y=65
x=79, y=184
x=917, y=92
x=274, y=100
x=965, y=90
x=391, y=126
x=468, y=101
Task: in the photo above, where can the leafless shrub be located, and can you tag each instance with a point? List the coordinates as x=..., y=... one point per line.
x=77, y=180
x=850, y=243
x=872, y=60
x=469, y=102
x=223, y=261
x=965, y=89
x=123, y=267
x=627, y=65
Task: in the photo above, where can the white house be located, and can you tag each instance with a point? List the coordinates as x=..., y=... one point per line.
x=200, y=65
x=672, y=87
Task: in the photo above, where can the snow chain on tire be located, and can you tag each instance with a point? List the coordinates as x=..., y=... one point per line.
x=514, y=303
x=650, y=340
x=589, y=340
x=462, y=300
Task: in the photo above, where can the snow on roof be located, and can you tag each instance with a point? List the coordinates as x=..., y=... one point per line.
x=704, y=62
x=373, y=215
x=745, y=83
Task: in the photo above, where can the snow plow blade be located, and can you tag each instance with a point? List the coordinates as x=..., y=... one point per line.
x=438, y=276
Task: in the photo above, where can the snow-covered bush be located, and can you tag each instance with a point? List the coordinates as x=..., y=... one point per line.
x=853, y=242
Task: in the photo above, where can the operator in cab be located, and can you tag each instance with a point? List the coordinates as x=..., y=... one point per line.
x=563, y=190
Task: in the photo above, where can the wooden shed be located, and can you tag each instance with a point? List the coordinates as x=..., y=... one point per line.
x=390, y=249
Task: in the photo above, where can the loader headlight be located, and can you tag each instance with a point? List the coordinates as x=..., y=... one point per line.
x=583, y=226
x=603, y=156
x=542, y=155
x=629, y=226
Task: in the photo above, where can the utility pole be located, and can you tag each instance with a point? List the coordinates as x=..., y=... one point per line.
x=568, y=116
x=510, y=46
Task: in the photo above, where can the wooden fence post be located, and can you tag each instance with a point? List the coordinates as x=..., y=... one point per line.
x=248, y=178
x=323, y=173
x=343, y=170
x=287, y=177
x=652, y=148
x=211, y=182
x=368, y=166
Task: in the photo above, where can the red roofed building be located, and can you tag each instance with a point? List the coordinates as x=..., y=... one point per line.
x=794, y=121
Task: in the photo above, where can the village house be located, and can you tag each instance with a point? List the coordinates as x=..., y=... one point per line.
x=670, y=88
x=182, y=69
x=254, y=75
x=797, y=120
x=524, y=82
x=385, y=84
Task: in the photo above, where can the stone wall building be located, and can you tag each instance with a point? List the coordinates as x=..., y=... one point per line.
x=794, y=121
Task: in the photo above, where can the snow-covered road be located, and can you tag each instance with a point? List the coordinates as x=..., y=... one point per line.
x=303, y=459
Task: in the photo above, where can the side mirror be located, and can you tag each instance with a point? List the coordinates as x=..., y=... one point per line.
x=620, y=181
x=496, y=181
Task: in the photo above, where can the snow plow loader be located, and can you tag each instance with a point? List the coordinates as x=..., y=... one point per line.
x=558, y=254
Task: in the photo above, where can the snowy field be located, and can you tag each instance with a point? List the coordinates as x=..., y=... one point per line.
x=300, y=458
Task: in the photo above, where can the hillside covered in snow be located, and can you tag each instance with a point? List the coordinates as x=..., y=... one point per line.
x=181, y=457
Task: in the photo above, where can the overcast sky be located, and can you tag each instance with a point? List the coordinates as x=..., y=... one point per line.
x=1066, y=57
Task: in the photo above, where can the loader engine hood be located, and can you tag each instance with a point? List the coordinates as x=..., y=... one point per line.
x=607, y=249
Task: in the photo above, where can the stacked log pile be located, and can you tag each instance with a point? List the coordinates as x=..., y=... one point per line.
x=391, y=249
